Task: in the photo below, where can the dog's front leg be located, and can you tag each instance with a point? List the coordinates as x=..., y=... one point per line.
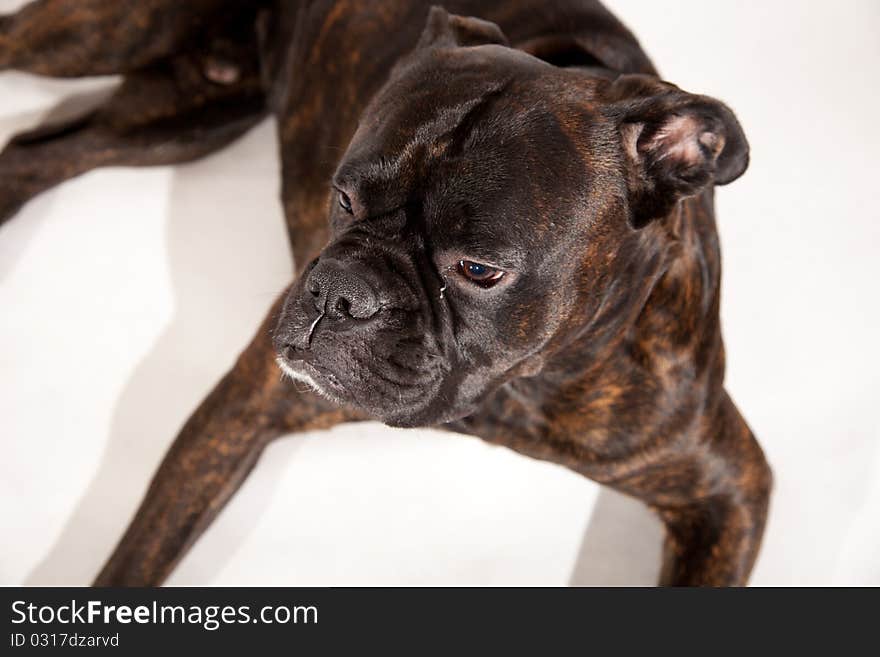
x=711, y=487
x=210, y=458
x=713, y=539
x=712, y=542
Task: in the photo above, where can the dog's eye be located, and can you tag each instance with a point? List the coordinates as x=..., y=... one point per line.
x=345, y=202
x=482, y=275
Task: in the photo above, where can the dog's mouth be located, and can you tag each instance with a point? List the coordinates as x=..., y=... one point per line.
x=362, y=344
x=390, y=389
x=315, y=378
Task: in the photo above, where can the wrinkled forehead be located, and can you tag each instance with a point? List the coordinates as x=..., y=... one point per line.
x=439, y=98
x=462, y=105
x=425, y=100
x=474, y=142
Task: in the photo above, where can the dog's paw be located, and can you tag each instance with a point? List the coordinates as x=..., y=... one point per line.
x=5, y=42
x=20, y=179
x=11, y=201
x=8, y=211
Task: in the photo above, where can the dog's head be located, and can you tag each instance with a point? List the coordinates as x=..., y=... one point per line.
x=490, y=209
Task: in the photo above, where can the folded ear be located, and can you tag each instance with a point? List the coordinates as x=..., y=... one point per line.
x=445, y=30
x=675, y=143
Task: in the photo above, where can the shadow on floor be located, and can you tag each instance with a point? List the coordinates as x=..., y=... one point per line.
x=621, y=545
x=227, y=260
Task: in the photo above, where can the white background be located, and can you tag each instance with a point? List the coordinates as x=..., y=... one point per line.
x=125, y=294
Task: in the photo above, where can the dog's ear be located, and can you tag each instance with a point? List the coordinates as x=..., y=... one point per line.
x=445, y=30
x=674, y=143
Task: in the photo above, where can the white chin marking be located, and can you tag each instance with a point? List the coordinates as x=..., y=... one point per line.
x=298, y=376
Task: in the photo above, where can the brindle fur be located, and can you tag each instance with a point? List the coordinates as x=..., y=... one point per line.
x=639, y=407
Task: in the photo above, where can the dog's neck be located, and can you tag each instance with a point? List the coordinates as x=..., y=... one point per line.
x=684, y=283
x=672, y=349
x=659, y=363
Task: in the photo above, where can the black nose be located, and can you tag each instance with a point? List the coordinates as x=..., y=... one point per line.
x=340, y=291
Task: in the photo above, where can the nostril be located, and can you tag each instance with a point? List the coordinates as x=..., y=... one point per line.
x=341, y=291
x=343, y=306
x=290, y=352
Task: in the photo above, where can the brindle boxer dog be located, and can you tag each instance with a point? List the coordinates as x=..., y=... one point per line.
x=521, y=243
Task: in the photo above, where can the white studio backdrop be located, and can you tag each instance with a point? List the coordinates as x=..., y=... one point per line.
x=125, y=295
